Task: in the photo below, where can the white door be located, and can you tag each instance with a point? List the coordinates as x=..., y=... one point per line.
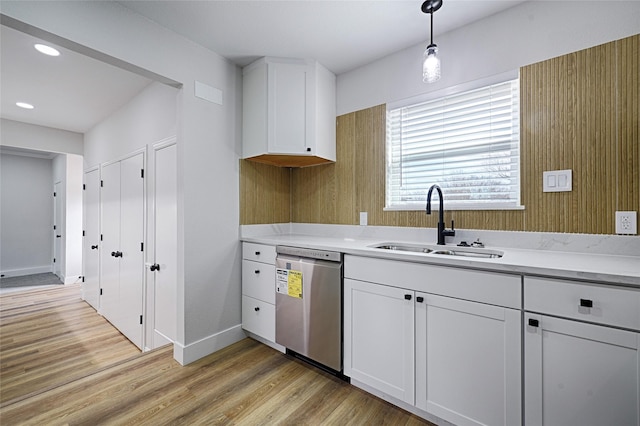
x=129, y=319
x=165, y=237
x=580, y=374
x=91, y=249
x=110, y=229
x=379, y=337
x=468, y=361
x=58, y=230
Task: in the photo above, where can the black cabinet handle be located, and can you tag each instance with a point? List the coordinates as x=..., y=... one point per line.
x=257, y=308
x=116, y=253
x=58, y=236
x=407, y=297
x=534, y=322
x=257, y=253
x=257, y=271
x=419, y=299
x=113, y=253
x=154, y=267
x=586, y=303
x=94, y=247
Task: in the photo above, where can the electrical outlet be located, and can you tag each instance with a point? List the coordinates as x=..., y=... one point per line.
x=626, y=223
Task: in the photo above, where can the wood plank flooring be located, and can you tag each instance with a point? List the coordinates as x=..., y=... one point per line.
x=50, y=336
x=246, y=383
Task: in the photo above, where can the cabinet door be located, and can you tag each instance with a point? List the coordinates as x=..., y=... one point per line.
x=378, y=337
x=287, y=112
x=580, y=374
x=91, y=249
x=468, y=368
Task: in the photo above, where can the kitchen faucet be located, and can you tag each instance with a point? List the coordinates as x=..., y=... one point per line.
x=442, y=232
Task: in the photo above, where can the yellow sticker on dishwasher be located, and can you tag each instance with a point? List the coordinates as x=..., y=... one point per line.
x=289, y=282
x=294, y=284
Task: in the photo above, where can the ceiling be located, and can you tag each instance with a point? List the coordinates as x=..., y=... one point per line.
x=74, y=92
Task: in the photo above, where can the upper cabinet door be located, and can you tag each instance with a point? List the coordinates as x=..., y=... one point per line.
x=287, y=108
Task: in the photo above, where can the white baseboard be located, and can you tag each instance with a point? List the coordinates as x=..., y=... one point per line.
x=203, y=347
x=264, y=341
x=26, y=271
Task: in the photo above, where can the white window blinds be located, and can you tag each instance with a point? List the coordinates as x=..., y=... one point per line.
x=468, y=143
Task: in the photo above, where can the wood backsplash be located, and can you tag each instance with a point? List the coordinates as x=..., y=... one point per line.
x=578, y=111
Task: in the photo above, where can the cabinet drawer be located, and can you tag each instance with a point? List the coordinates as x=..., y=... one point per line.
x=259, y=281
x=259, y=252
x=259, y=318
x=610, y=305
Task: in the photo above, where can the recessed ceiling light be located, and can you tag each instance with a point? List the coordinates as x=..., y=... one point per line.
x=47, y=50
x=24, y=105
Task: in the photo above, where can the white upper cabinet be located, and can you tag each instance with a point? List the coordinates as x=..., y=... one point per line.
x=289, y=112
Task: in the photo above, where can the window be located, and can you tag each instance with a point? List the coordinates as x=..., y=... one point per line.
x=468, y=143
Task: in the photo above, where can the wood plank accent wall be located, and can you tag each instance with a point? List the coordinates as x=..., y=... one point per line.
x=265, y=193
x=578, y=111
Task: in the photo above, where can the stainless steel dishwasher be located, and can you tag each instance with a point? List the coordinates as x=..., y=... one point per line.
x=309, y=304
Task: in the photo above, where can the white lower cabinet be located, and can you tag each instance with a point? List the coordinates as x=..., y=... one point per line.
x=581, y=353
x=455, y=359
x=468, y=368
x=259, y=290
x=379, y=338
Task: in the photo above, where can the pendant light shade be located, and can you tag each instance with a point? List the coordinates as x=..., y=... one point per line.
x=431, y=61
x=431, y=64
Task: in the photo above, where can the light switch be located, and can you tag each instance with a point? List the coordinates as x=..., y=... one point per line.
x=557, y=181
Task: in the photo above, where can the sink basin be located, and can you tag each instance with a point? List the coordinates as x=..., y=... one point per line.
x=437, y=250
x=481, y=253
x=404, y=247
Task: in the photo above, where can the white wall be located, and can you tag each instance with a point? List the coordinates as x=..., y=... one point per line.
x=147, y=118
x=209, y=149
x=530, y=32
x=26, y=215
x=39, y=138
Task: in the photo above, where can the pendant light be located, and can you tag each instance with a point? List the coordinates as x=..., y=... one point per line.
x=431, y=62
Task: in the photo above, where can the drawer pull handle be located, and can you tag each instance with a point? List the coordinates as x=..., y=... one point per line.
x=419, y=299
x=586, y=303
x=257, y=271
x=407, y=297
x=534, y=322
x=257, y=308
x=257, y=253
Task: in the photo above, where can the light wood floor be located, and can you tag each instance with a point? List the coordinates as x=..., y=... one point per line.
x=244, y=384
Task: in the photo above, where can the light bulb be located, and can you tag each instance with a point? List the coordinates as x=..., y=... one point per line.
x=431, y=64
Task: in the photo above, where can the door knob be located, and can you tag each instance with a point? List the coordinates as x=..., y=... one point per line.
x=94, y=247
x=154, y=267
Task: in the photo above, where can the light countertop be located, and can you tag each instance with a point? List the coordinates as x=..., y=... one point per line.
x=597, y=267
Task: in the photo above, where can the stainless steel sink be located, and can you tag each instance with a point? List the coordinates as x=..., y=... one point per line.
x=481, y=253
x=404, y=247
x=437, y=250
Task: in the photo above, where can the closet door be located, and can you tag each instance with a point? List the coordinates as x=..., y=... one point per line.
x=110, y=228
x=91, y=250
x=166, y=240
x=129, y=320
